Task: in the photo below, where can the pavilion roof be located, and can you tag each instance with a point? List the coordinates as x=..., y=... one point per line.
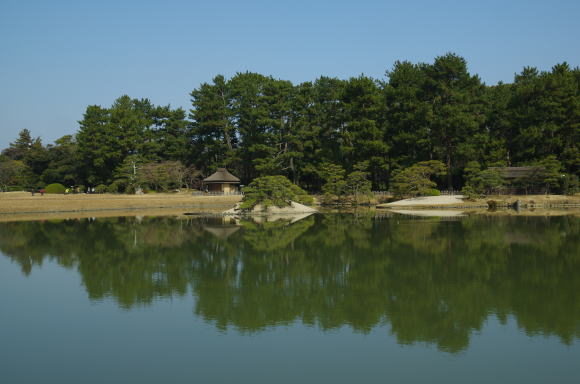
x=518, y=172
x=221, y=176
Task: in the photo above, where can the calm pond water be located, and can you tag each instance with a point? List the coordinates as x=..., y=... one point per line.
x=337, y=298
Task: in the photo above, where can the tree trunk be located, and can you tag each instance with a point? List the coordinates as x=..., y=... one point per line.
x=449, y=171
x=226, y=124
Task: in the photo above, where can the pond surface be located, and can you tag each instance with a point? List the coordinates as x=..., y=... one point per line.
x=337, y=298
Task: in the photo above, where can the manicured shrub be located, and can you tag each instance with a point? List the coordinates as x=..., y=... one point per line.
x=101, y=188
x=570, y=184
x=416, y=179
x=432, y=192
x=273, y=190
x=113, y=188
x=470, y=193
x=55, y=188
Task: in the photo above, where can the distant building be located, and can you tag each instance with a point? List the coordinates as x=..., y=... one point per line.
x=520, y=173
x=221, y=183
x=523, y=180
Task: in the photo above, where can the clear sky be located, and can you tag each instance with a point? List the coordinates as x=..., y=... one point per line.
x=58, y=57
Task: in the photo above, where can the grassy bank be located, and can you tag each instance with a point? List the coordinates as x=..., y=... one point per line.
x=24, y=203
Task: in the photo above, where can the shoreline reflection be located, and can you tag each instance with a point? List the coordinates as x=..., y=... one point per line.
x=435, y=282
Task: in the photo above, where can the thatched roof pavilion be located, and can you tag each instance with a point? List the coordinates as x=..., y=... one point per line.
x=221, y=182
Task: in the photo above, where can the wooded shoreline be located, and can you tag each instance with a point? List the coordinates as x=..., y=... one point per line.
x=325, y=135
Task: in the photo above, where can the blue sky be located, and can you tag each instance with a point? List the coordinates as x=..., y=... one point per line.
x=58, y=57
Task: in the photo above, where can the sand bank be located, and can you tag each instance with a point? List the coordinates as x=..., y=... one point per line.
x=458, y=201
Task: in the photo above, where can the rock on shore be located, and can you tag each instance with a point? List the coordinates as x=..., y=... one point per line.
x=259, y=209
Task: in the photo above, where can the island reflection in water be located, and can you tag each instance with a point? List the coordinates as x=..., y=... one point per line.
x=426, y=280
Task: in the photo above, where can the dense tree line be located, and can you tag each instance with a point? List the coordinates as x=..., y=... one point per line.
x=256, y=125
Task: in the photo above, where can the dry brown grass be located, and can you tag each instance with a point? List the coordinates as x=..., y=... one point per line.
x=24, y=203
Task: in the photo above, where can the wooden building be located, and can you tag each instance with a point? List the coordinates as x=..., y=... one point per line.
x=221, y=183
x=520, y=173
x=523, y=180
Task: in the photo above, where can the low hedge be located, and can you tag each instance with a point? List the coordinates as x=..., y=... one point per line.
x=14, y=188
x=101, y=188
x=55, y=188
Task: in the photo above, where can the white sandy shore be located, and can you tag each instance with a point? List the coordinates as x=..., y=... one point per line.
x=427, y=201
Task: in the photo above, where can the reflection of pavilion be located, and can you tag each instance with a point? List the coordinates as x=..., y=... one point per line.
x=221, y=227
x=290, y=218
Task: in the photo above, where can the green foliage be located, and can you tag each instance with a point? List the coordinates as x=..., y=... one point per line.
x=491, y=181
x=471, y=173
x=101, y=188
x=335, y=185
x=130, y=127
x=62, y=162
x=272, y=191
x=416, y=180
x=14, y=188
x=545, y=117
x=432, y=192
x=126, y=174
x=55, y=188
x=19, y=148
x=257, y=125
x=113, y=188
x=358, y=186
x=13, y=172
x=481, y=182
x=163, y=176
x=570, y=184
x=470, y=192
x=457, y=111
x=551, y=171
x=350, y=189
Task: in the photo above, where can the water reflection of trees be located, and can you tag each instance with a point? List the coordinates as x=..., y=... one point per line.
x=430, y=281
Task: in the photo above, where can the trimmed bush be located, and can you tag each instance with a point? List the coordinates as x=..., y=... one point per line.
x=273, y=190
x=55, y=188
x=470, y=192
x=113, y=188
x=416, y=180
x=101, y=188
